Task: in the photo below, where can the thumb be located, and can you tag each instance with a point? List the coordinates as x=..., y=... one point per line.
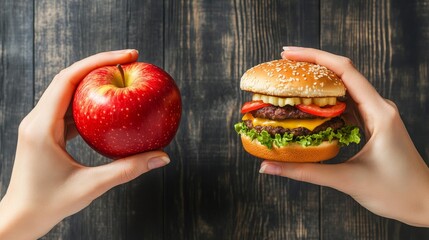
x=338, y=176
x=126, y=169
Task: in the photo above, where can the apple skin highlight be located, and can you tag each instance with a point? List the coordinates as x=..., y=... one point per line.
x=119, y=116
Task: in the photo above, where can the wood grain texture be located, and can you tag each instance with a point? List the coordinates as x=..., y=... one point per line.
x=385, y=41
x=67, y=31
x=212, y=188
x=144, y=197
x=16, y=78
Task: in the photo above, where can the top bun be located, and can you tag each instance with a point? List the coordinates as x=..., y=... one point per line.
x=286, y=78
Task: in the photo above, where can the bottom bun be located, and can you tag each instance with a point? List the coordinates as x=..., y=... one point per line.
x=293, y=152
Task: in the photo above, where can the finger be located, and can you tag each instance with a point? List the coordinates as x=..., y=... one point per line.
x=124, y=170
x=56, y=99
x=338, y=176
x=357, y=85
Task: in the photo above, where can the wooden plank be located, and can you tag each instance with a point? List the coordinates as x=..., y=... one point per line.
x=16, y=78
x=144, y=219
x=387, y=41
x=212, y=188
x=66, y=31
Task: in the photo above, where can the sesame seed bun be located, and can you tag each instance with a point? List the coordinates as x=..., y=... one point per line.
x=292, y=152
x=286, y=78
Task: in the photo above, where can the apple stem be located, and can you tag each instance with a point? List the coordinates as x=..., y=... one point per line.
x=122, y=74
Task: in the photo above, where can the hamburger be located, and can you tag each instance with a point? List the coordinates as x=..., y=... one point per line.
x=295, y=114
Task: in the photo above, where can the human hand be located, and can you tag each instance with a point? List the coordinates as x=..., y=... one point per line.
x=388, y=176
x=47, y=184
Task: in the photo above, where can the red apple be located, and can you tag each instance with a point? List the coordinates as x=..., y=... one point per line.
x=123, y=110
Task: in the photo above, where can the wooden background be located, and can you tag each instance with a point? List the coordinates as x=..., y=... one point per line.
x=212, y=188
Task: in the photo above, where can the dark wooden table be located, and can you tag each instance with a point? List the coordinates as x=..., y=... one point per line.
x=212, y=188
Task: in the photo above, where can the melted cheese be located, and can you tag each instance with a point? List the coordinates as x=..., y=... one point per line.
x=310, y=124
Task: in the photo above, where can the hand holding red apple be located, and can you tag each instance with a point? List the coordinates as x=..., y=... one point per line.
x=47, y=184
x=124, y=110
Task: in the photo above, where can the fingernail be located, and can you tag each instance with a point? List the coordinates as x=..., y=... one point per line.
x=134, y=50
x=158, y=162
x=270, y=169
x=291, y=48
x=126, y=51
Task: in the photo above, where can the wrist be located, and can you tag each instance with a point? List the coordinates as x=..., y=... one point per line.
x=426, y=207
x=11, y=220
x=19, y=222
x=423, y=211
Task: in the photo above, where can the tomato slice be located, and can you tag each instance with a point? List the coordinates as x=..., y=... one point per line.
x=253, y=105
x=328, y=111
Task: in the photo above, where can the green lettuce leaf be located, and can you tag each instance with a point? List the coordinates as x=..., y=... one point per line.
x=345, y=136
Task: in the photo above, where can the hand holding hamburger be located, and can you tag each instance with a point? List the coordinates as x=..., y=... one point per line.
x=388, y=176
x=295, y=112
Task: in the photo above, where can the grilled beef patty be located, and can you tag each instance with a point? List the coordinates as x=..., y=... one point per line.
x=334, y=123
x=281, y=113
